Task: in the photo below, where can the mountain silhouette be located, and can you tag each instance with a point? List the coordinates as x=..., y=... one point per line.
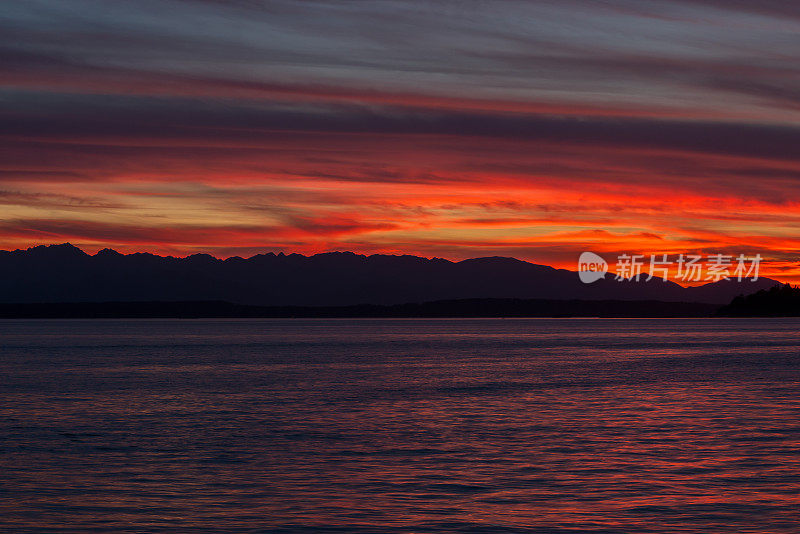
x=64, y=273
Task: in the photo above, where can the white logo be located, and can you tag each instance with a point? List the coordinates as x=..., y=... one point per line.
x=690, y=267
x=591, y=267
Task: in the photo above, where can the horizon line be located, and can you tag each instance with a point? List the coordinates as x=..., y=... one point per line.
x=701, y=283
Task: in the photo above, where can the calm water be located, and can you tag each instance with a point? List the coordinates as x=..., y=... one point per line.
x=488, y=426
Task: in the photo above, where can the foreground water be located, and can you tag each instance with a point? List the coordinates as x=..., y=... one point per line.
x=491, y=425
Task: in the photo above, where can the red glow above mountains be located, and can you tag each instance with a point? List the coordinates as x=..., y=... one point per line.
x=534, y=131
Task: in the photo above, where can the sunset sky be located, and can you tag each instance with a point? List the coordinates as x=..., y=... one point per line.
x=534, y=129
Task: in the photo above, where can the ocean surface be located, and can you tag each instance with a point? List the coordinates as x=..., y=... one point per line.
x=400, y=425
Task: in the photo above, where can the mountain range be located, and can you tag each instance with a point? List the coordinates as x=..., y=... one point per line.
x=65, y=273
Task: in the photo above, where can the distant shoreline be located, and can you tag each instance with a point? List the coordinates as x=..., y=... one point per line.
x=462, y=308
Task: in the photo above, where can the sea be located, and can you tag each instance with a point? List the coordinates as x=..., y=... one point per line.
x=400, y=425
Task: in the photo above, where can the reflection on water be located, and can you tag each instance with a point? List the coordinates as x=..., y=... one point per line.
x=400, y=426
